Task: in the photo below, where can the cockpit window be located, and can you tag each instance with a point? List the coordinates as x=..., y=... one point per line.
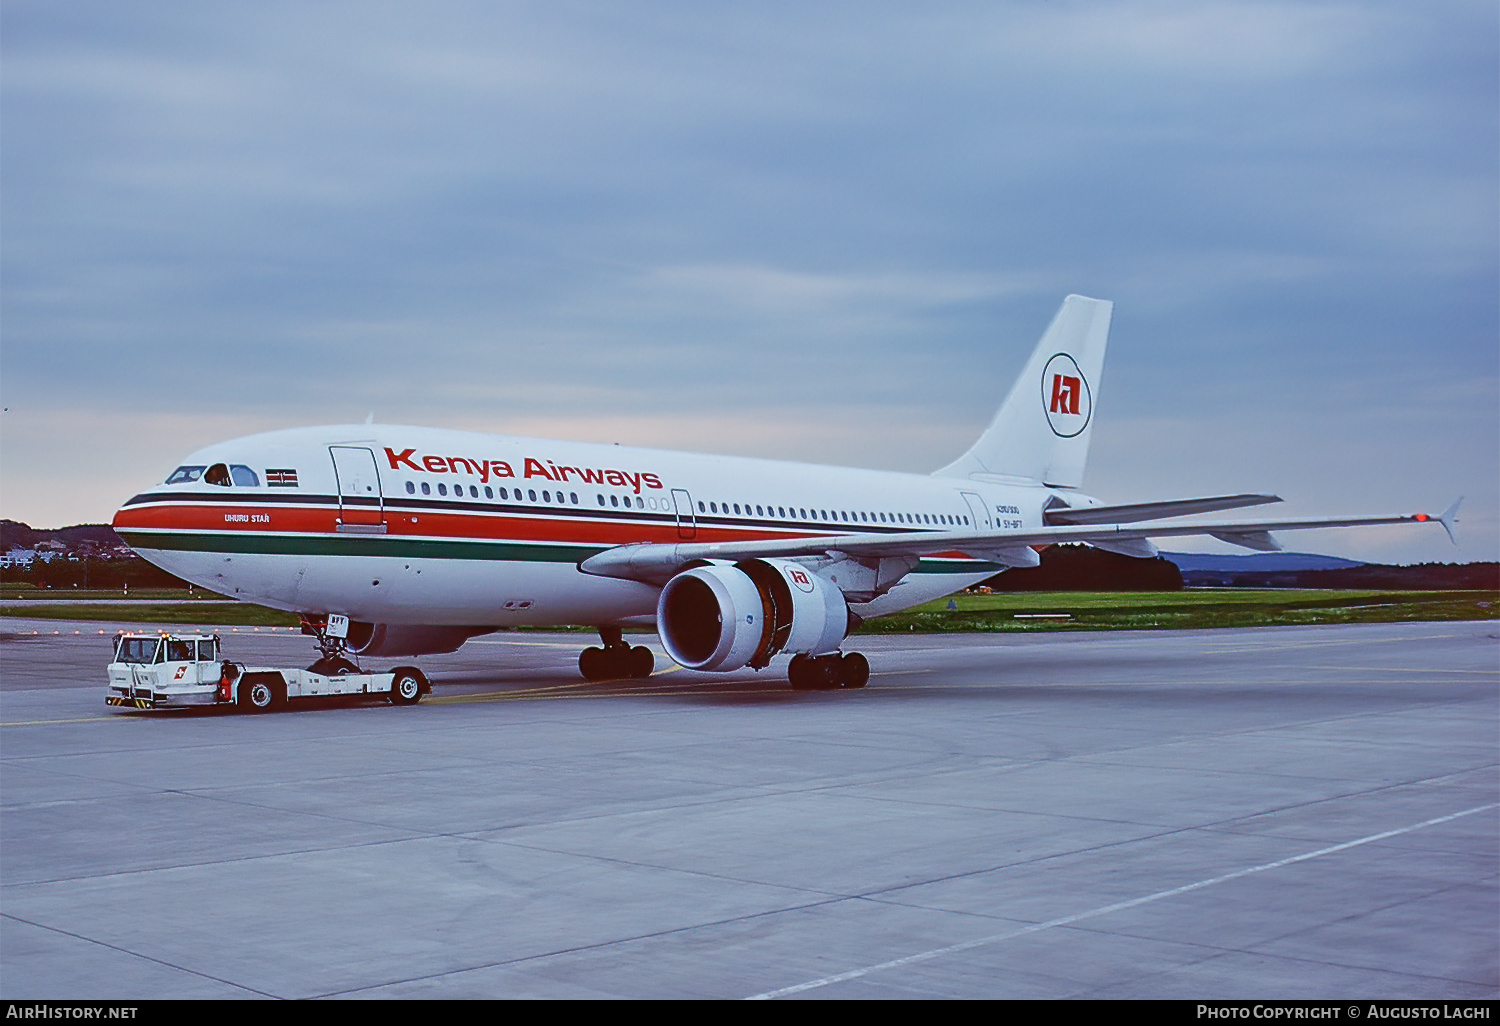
x=244, y=476
x=218, y=474
x=138, y=650
x=185, y=474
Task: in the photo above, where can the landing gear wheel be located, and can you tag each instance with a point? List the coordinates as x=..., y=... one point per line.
x=799, y=673
x=593, y=663
x=641, y=661
x=814, y=673
x=261, y=695
x=829, y=675
x=854, y=670
x=407, y=688
x=828, y=672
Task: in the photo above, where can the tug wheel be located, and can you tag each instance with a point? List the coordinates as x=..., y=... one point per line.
x=261, y=695
x=406, y=688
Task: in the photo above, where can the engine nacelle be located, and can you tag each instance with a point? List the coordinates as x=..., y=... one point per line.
x=394, y=639
x=722, y=617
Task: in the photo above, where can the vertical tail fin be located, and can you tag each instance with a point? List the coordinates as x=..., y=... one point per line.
x=1041, y=432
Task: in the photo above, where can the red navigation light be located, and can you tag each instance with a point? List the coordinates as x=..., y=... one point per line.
x=1422, y=518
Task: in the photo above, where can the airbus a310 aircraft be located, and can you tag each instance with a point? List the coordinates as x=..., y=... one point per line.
x=397, y=541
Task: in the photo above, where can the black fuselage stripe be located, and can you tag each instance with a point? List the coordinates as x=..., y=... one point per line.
x=513, y=509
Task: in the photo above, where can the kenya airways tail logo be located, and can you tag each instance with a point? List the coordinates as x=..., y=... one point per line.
x=1065, y=396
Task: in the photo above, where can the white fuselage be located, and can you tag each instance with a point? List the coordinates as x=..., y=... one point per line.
x=425, y=526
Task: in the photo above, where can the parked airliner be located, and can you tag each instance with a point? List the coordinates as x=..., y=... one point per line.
x=403, y=541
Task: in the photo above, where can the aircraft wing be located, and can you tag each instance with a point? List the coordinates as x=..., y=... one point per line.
x=1151, y=510
x=657, y=563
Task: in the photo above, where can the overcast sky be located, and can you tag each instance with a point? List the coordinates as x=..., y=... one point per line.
x=818, y=231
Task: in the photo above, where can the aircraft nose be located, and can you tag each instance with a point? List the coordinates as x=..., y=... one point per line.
x=132, y=513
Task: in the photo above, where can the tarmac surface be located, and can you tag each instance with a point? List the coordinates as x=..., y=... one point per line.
x=1305, y=812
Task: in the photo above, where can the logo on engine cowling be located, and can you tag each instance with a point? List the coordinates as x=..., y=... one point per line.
x=1065, y=396
x=800, y=578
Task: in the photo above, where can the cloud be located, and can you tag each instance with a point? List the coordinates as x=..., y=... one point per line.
x=825, y=229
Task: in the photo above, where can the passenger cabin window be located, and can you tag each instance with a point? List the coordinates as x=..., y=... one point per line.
x=185, y=475
x=426, y=488
x=411, y=489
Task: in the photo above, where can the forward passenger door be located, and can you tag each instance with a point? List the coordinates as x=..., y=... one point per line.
x=361, y=503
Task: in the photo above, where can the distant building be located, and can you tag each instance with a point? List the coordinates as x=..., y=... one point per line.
x=18, y=557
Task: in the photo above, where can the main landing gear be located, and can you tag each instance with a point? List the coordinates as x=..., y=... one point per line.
x=616, y=660
x=826, y=672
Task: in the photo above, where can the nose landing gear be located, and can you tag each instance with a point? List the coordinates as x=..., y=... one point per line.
x=616, y=660
x=333, y=662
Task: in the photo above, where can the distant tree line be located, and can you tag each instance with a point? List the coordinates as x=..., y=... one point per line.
x=1423, y=577
x=89, y=572
x=1084, y=568
x=92, y=556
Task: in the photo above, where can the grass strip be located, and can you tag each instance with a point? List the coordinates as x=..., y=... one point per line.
x=1185, y=610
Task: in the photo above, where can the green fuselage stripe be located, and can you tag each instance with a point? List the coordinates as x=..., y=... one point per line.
x=421, y=548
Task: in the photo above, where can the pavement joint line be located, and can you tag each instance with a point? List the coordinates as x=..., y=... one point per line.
x=1401, y=669
x=595, y=946
x=81, y=719
x=1119, y=906
x=1225, y=826
x=136, y=954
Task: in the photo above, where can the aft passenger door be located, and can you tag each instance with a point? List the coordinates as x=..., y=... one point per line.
x=361, y=503
x=981, y=511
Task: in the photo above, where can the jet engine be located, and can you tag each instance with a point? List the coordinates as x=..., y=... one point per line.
x=722, y=616
x=391, y=639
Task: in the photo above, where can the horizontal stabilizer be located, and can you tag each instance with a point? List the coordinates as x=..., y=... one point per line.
x=1152, y=510
x=1260, y=541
